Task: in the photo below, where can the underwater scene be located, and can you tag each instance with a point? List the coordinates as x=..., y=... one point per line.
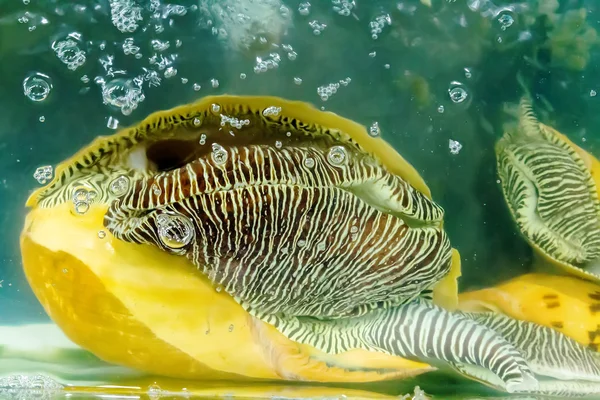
x=279, y=199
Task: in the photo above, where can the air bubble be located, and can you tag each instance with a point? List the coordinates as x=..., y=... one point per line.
x=278, y=144
x=231, y=328
x=174, y=230
x=215, y=108
x=43, y=174
x=37, y=87
x=304, y=8
x=184, y=80
x=297, y=80
x=197, y=121
x=454, y=146
x=129, y=48
x=170, y=72
x=242, y=76
x=457, y=92
x=219, y=154
x=337, y=156
x=156, y=190
x=196, y=87
x=101, y=234
x=42, y=118
x=112, y=123
x=593, y=93
x=309, y=162
x=119, y=185
x=123, y=94
x=214, y=83
x=374, y=129
x=505, y=20
x=81, y=207
x=441, y=109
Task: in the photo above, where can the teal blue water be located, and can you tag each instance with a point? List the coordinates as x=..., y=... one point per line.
x=432, y=78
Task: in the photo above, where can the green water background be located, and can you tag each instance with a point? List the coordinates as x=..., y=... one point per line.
x=399, y=80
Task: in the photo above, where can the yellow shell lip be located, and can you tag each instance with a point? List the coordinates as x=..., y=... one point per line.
x=169, y=140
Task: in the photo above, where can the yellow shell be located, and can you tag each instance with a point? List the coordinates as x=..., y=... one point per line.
x=140, y=307
x=567, y=304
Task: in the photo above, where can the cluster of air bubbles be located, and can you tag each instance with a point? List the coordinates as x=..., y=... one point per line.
x=173, y=10
x=214, y=83
x=174, y=230
x=233, y=121
x=505, y=20
x=378, y=24
x=37, y=86
x=161, y=61
x=29, y=382
x=202, y=140
x=317, y=27
x=374, y=129
x=43, y=174
x=123, y=94
x=125, y=15
x=69, y=52
x=119, y=185
x=468, y=73
x=309, y=162
x=82, y=198
x=107, y=62
x=271, y=111
x=326, y=91
x=129, y=48
x=337, y=156
x=297, y=80
x=150, y=76
x=159, y=45
x=290, y=51
x=156, y=190
x=454, y=146
x=304, y=8
x=343, y=7
x=263, y=65
x=218, y=154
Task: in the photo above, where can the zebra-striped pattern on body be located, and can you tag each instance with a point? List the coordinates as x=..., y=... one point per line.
x=263, y=165
x=416, y=330
x=550, y=193
x=302, y=251
x=285, y=237
x=563, y=366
